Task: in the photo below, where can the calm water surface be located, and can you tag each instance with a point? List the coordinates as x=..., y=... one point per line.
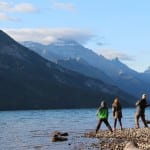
x=32, y=129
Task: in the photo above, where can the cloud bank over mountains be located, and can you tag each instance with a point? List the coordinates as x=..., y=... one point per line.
x=111, y=54
x=49, y=35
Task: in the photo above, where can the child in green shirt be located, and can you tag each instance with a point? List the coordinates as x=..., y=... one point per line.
x=102, y=114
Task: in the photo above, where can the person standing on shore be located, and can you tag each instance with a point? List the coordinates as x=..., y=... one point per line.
x=140, y=111
x=117, y=112
x=102, y=114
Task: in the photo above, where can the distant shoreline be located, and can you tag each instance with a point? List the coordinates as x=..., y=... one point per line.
x=25, y=109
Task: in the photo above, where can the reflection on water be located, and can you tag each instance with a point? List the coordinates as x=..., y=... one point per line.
x=32, y=130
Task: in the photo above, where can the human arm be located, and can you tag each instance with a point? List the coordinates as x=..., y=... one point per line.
x=107, y=113
x=98, y=111
x=113, y=111
x=137, y=103
x=147, y=105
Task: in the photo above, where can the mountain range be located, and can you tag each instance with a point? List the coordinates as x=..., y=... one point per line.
x=75, y=57
x=30, y=81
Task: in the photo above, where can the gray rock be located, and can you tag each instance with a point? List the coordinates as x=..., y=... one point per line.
x=132, y=145
x=59, y=136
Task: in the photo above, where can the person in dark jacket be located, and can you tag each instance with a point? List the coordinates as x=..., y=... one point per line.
x=140, y=111
x=117, y=112
x=102, y=114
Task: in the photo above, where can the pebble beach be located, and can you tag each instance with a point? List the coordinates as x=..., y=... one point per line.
x=119, y=138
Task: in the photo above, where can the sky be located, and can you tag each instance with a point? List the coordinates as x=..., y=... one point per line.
x=112, y=28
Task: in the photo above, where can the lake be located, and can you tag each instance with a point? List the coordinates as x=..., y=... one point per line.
x=32, y=129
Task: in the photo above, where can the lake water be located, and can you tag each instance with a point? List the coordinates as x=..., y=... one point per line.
x=32, y=129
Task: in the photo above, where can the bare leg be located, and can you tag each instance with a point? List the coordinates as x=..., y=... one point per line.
x=137, y=116
x=144, y=121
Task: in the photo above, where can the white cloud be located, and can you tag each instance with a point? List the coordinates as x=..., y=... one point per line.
x=5, y=17
x=22, y=7
x=63, y=6
x=49, y=35
x=4, y=6
x=111, y=54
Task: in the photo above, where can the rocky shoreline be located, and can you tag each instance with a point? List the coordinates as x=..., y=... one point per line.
x=126, y=139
